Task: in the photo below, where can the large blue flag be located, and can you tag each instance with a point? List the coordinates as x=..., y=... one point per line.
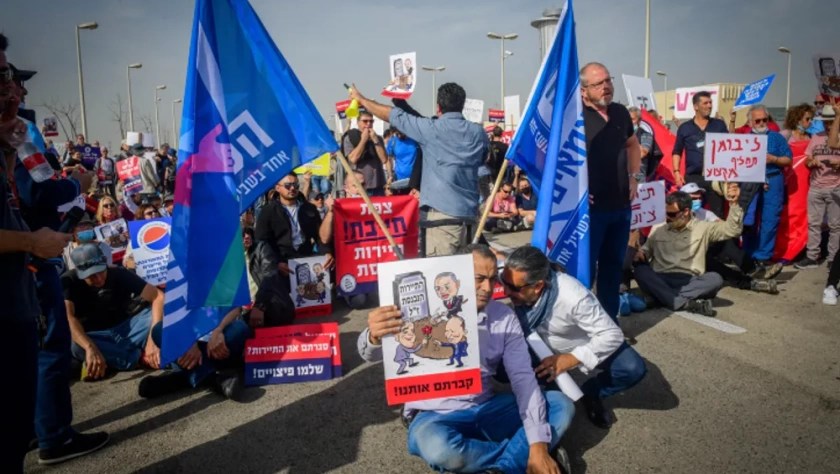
x=247, y=122
x=550, y=146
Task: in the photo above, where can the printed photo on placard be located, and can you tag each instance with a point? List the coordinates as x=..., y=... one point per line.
x=50, y=126
x=114, y=234
x=310, y=287
x=435, y=353
x=403, y=76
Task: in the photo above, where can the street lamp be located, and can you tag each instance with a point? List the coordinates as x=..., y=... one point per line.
x=664, y=76
x=434, y=88
x=130, y=109
x=789, y=55
x=511, y=36
x=174, y=128
x=92, y=25
x=157, y=120
x=647, y=41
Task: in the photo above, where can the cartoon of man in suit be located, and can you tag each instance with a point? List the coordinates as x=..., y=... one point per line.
x=407, y=345
x=456, y=334
x=446, y=287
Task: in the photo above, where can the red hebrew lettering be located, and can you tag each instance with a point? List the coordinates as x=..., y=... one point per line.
x=737, y=145
x=636, y=207
x=757, y=145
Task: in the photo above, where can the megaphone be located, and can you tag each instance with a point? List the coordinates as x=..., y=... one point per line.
x=352, y=111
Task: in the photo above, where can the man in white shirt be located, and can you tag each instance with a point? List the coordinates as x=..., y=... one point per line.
x=573, y=323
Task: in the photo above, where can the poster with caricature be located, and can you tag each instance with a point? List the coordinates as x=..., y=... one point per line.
x=827, y=70
x=435, y=354
x=310, y=287
x=403, y=76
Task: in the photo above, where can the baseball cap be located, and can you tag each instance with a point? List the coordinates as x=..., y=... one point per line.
x=827, y=113
x=315, y=195
x=692, y=188
x=88, y=259
x=137, y=148
x=21, y=75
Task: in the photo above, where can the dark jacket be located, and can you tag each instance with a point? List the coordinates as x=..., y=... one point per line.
x=39, y=201
x=274, y=228
x=262, y=262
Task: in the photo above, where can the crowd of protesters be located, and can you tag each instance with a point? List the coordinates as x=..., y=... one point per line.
x=96, y=316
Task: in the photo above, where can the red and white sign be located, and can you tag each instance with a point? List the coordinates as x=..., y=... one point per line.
x=684, y=108
x=128, y=171
x=735, y=157
x=316, y=329
x=497, y=116
x=507, y=136
x=50, y=126
x=341, y=108
x=649, y=206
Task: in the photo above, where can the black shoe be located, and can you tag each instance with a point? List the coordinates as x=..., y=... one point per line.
x=77, y=446
x=413, y=364
x=562, y=459
x=701, y=307
x=230, y=386
x=153, y=386
x=597, y=413
x=764, y=286
x=33, y=445
x=651, y=302
x=806, y=264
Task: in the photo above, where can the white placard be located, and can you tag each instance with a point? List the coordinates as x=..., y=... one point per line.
x=403, y=69
x=639, y=92
x=512, y=112
x=684, y=109
x=378, y=126
x=649, y=206
x=735, y=157
x=148, y=140
x=827, y=71
x=133, y=137
x=474, y=110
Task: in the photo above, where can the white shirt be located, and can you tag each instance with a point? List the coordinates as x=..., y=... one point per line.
x=297, y=236
x=580, y=326
x=706, y=215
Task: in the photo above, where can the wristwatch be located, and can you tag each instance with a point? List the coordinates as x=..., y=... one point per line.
x=639, y=176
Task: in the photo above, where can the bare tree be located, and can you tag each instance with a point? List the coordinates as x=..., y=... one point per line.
x=67, y=115
x=148, y=123
x=118, y=115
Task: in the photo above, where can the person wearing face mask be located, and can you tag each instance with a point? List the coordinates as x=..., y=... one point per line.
x=526, y=203
x=83, y=234
x=672, y=263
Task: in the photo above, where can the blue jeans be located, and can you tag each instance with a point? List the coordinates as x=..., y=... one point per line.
x=320, y=184
x=123, y=344
x=485, y=436
x=235, y=335
x=619, y=372
x=19, y=348
x=54, y=407
x=760, y=243
x=609, y=233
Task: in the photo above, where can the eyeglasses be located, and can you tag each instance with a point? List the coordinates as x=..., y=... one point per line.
x=151, y=214
x=512, y=287
x=6, y=75
x=600, y=85
x=764, y=120
x=807, y=118
x=291, y=185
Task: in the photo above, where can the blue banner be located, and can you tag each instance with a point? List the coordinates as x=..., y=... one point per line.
x=247, y=121
x=550, y=146
x=754, y=93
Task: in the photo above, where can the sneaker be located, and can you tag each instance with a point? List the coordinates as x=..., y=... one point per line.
x=230, y=386
x=806, y=264
x=77, y=446
x=154, y=386
x=764, y=286
x=772, y=270
x=830, y=296
x=701, y=307
x=562, y=459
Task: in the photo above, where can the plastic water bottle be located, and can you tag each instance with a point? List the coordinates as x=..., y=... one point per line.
x=34, y=161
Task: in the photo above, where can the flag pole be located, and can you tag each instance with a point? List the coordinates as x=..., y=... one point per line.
x=489, y=203
x=350, y=172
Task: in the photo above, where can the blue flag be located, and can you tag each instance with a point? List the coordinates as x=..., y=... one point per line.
x=550, y=146
x=754, y=93
x=247, y=122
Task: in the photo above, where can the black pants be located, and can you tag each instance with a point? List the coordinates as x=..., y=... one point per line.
x=729, y=249
x=834, y=273
x=19, y=346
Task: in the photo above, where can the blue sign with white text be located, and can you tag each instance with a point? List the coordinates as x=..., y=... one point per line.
x=755, y=92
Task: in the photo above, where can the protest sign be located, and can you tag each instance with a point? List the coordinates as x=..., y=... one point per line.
x=318, y=167
x=148, y=140
x=827, y=71
x=683, y=107
x=497, y=116
x=114, y=234
x=132, y=138
x=89, y=155
x=474, y=110
x=639, y=92
x=150, y=246
x=512, y=111
x=403, y=76
x=360, y=244
x=435, y=354
x=754, y=93
x=507, y=136
x=310, y=285
x=128, y=171
x=316, y=329
x=289, y=359
x=649, y=206
x=50, y=126
x=735, y=157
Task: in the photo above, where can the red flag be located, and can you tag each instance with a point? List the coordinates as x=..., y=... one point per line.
x=665, y=141
x=792, y=235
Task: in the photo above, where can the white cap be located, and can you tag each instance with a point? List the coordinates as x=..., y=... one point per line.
x=692, y=188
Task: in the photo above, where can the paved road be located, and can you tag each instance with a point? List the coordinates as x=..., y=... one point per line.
x=766, y=400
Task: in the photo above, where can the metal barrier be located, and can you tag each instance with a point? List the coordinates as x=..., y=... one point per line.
x=470, y=222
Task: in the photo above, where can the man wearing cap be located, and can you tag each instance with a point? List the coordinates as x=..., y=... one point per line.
x=148, y=174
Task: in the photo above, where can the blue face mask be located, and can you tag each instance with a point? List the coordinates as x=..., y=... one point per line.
x=762, y=132
x=635, y=128
x=696, y=204
x=85, y=235
x=801, y=128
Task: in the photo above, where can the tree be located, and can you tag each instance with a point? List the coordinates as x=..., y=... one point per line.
x=67, y=115
x=118, y=115
x=148, y=123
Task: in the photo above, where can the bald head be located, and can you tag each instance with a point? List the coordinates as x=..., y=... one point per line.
x=596, y=87
x=591, y=68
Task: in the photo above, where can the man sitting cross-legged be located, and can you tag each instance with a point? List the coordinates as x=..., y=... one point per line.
x=673, y=260
x=488, y=432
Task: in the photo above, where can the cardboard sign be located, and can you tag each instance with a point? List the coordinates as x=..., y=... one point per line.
x=318, y=167
x=474, y=110
x=497, y=116
x=133, y=137
x=754, y=93
x=128, y=171
x=289, y=359
x=735, y=157
x=684, y=108
x=639, y=92
x=50, y=128
x=360, y=244
x=89, y=155
x=114, y=234
x=827, y=72
x=403, y=76
x=150, y=245
x=310, y=287
x=317, y=329
x=435, y=354
x=512, y=111
x=148, y=140
x=649, y=206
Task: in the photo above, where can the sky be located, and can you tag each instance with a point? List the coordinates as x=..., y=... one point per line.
x=331, y=42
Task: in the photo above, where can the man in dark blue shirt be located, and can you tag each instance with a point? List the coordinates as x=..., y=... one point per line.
x=526, y=203
x=691, y=138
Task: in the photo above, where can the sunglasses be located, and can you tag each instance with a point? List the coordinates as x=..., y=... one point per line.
x=512, y=287
x=108, y=206
x=318, y=198
x=764, y=120
x=673, y=214
x=291, y=185
x=819, y=104
x=365, y=121
x=151, y=213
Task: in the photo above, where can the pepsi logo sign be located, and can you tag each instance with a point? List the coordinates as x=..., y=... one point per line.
x=154, y=237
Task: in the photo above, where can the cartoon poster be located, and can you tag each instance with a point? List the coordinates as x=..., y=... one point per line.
x=403, y=76
x=150, y=244
x=114, y=234
x=310, y=287
x=435, y=354
x=50, y=126
x=827, y=71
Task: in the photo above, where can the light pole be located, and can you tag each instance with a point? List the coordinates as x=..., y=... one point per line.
x=647, y=41
x=130, y=109
x=434, y=87
x=83, y=26
x=664, y=76
x=789, y=55
x=511, y=36
x=157, y=120
x=174, y=128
